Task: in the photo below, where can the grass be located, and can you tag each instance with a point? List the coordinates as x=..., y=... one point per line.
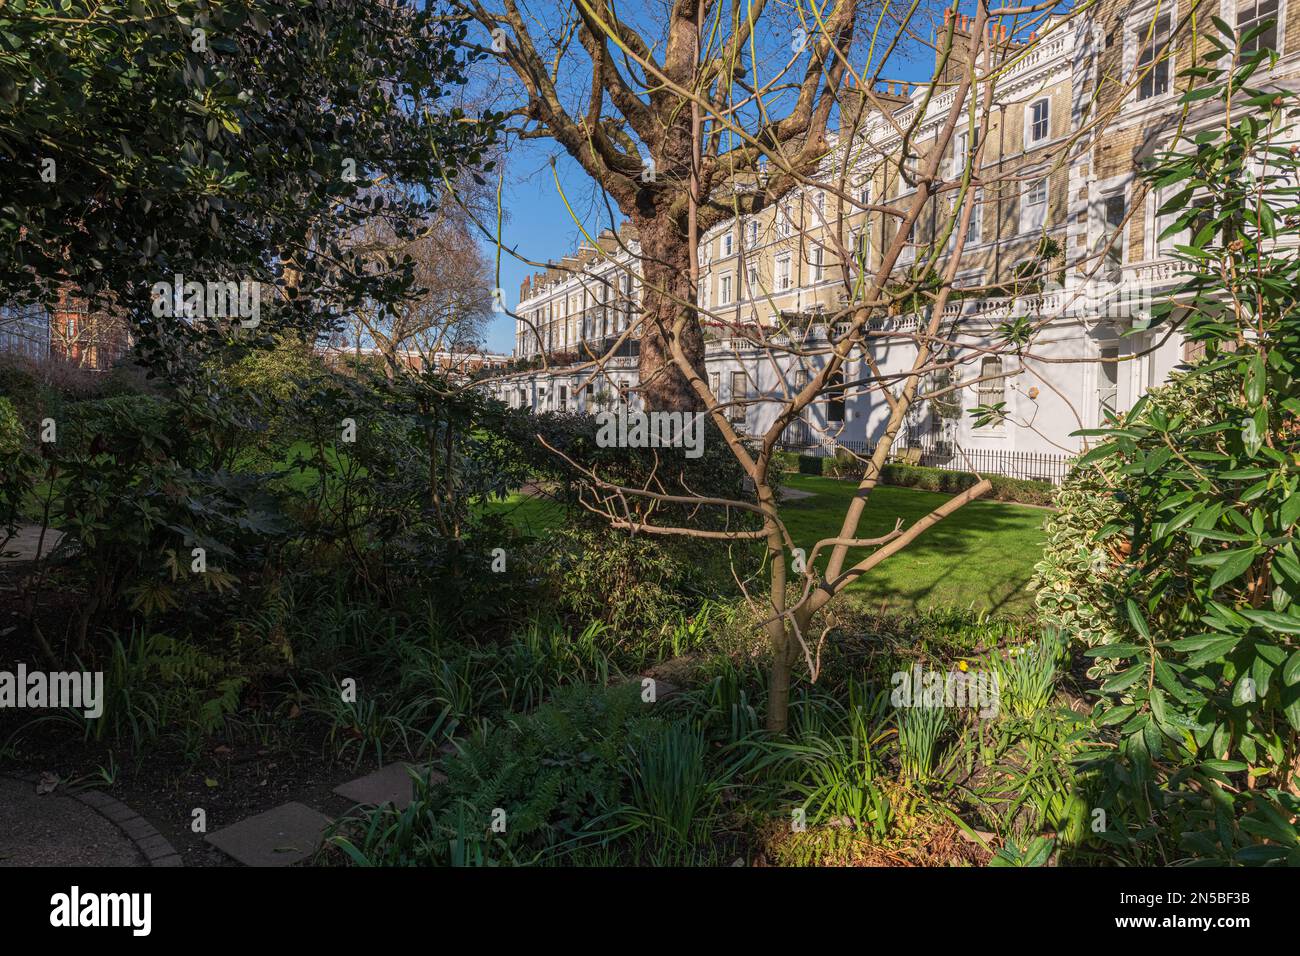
x=981, y=557
x=528, y=513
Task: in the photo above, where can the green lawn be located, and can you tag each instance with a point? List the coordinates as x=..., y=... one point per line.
x=982, y=556
x=529, y=514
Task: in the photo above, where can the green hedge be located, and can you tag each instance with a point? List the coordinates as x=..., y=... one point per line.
x=811, y=464
x=952, y=482
x=845, y=465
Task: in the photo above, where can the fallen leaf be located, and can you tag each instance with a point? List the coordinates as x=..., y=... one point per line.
x=47, y=783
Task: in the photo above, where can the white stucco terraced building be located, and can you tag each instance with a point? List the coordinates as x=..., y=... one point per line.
x=1081, y=193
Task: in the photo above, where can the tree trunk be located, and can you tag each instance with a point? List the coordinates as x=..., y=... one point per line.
x=667, y=298
x=779, y=678
x=778, y=693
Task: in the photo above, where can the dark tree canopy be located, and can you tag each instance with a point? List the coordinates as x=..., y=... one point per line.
x=240, y=140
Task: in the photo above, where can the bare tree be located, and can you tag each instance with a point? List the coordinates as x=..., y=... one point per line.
x=451, y=301
x=657, y=124
x=888, y=204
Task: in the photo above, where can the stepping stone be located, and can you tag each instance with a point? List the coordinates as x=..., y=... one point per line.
x=27, y=544
x=390, y=784
x=663, y=689
x=282, y=836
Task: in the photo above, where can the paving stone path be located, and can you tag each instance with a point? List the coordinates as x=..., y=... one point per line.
x=42, y=825
x=292, y=832
x=25, y=544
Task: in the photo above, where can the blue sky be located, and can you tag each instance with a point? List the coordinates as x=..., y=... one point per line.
x=537, y=223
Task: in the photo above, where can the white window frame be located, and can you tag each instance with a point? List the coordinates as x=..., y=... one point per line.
x=784, y=221
x=1030, y=139
x=736, y=413
x=1027, y=218
x=1106, y=351
x=975, y=232
x=860, y=246
x=724, y=244
x=1106, y=190
x=992, y=392
x=816, y=263
x=1136, y=44
x=784, y=278
x=960, y=153
x=724, y=289
x=1234, y=8
x=1164, y=248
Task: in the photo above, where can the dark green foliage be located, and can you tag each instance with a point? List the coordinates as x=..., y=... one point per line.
x=281, y=97
x=811, y=464
x=557, y=774
x=1021, y=490
x=122, y=483
x=633, y=583
x=1203, y=653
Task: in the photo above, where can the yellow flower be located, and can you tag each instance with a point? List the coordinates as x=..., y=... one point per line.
x=962, y=666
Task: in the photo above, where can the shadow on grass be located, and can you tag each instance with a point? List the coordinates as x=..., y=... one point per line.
x=981, y=557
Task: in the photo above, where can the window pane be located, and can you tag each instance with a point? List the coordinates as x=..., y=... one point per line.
x=1107, y=382
x=739, y=391
x=835, y=397
x=1154, y=41
x=992, y=389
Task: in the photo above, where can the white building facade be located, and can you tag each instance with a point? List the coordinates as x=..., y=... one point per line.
x=1061, y=196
